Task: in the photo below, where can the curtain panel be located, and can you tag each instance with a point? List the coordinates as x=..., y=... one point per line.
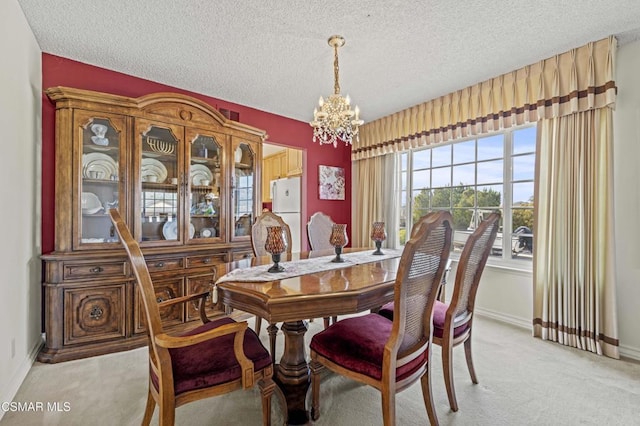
x=369, y=181
x=577, y=80
x=574, y=262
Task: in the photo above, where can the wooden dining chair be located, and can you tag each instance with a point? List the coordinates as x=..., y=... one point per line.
x=387, y=309
x=212, y=359
x=453, y=321
x=258, y=239
x=318, y=231
x=259, y=232
x=391, y=355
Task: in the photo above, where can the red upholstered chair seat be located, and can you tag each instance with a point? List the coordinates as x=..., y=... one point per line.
x=358, y=345
x=439, y=312
x=387, y=311
x=212, y=362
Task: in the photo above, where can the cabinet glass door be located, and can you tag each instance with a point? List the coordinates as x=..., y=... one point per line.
x=160, y=182
x=99, y=180
x=205, y=183
x=244, y=189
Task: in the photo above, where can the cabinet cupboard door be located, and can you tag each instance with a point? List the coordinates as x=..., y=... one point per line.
x=99, y=150
x=199, y=284
x=161, y=181
x=294, y=162
x=206, y=185
x=245, y=199
x=94, y=314
x=171, y=315
x=267, y=177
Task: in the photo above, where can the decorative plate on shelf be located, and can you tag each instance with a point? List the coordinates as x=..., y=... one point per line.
x=208, y=232
x=97, y=165
x=170, y=230
x=90, y=203
x=152, y=170
x=100, y=148
x=200, y=173
x=93, y=240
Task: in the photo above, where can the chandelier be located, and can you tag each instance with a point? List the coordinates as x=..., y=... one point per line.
x=335, y=119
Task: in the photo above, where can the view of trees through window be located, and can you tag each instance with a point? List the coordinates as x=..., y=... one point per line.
x=471, y=179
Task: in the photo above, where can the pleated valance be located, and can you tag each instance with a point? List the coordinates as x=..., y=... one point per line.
x=577, y=80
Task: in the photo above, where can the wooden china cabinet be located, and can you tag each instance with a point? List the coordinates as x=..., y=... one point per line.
x=187, y=181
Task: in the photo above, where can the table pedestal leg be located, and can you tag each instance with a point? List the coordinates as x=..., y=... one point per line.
x=292, y=374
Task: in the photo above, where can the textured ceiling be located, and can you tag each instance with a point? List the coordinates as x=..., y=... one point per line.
x=273, y=54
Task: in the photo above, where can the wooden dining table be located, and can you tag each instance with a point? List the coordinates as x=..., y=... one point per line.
x=292, y=301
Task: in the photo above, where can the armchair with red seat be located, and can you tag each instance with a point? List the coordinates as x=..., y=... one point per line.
x=453, y=321
x=214, y=358
x=390, y=355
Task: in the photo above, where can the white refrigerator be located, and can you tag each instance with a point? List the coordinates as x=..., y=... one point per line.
x=286, y=203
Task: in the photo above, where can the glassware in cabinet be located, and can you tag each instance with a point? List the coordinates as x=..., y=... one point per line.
x=100, y=139
x=160, y=179
x=206, y=184
x=243, y=185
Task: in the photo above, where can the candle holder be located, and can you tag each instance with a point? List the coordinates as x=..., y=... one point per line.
x=338, y=239
x=275, y=245
x=378, y=235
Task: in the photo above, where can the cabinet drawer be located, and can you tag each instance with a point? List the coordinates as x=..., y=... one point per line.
x=212, y=259
x=156, y=265
x=239, y=255
x=75, y=271
x=94, y=314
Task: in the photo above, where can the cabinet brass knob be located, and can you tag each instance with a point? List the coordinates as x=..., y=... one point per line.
x=159, y=264
x=96, y=270
x=96, y=312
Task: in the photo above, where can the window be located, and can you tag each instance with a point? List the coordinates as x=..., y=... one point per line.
x=471, y=179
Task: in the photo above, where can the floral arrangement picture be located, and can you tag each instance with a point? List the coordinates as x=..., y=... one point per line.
x=332, y=183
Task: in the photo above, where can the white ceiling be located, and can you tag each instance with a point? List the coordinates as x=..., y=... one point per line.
x=273, y=54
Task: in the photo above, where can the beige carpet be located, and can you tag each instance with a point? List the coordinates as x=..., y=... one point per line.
x=523, y=381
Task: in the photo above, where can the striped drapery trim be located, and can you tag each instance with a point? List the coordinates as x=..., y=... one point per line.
x=577, y=80
x=577, y=333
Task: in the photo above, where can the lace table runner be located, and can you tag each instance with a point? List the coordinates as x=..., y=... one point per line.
x=306, y=266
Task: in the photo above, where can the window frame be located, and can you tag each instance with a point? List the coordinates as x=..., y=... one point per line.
x=405, y=194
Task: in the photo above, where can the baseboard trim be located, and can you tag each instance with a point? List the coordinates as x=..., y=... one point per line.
x=629, y=352
x=625, y=351
x=499, y=316
x=20, y=374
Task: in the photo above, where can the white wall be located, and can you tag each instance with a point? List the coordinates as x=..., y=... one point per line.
x=20, y=148
x=627, y=196
x=508, y=295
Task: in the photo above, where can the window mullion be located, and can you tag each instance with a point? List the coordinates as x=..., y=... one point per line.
x=508, y=196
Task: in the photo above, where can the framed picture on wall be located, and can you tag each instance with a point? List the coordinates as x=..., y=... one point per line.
x=332, y=183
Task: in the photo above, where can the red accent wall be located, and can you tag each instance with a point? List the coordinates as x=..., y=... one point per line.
x=58, y=71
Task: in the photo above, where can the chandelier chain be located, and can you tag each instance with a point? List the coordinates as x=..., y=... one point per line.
x=336, y=69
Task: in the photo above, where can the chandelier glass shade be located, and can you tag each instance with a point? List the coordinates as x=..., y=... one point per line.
x=334, y=119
